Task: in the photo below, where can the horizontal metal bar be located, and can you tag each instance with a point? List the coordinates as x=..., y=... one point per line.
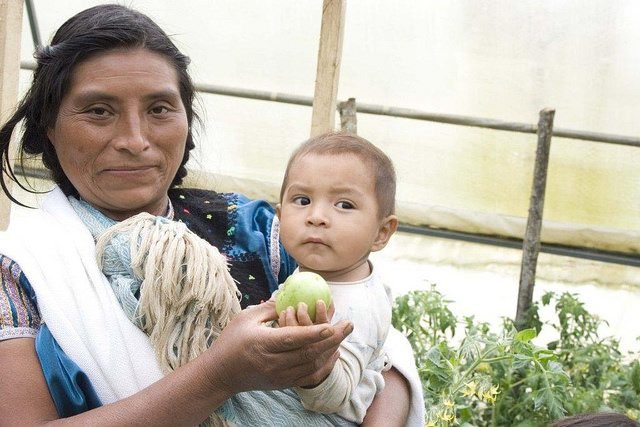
x=255, y=94
x=576, y=252
x=28, y=65
x=494, y=124
x=562, y=250
x=408, y=113
x=30, y=172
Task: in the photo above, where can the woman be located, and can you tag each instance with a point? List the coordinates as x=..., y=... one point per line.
x=110, y=111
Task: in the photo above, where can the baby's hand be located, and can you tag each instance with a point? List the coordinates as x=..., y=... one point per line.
x=300, y=317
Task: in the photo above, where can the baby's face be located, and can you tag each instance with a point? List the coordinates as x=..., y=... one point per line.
x=329, y=215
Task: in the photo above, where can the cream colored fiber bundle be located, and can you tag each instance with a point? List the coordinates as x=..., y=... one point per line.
x=187, y=295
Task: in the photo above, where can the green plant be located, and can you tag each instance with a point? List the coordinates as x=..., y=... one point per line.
x=603, y=377
x=503, y=379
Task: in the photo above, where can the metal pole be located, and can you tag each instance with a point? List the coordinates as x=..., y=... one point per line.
x=531, y=243
x=33, y=23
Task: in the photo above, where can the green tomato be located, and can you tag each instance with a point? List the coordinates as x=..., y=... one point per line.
x=306, y=287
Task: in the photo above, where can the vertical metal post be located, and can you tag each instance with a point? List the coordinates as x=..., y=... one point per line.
x=348, y=119
x=328, y=71
x=531, y=243
x=33, y=23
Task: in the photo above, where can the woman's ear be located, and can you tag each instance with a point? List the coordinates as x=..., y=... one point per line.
x=388, y=226
x=50, y=133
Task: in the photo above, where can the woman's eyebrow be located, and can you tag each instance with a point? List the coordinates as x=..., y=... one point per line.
x=162, y=94
x=91, y=96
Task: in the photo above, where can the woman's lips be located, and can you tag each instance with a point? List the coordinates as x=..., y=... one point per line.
x=128, y=170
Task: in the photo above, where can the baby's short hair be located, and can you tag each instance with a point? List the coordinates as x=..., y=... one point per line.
x=340, y=143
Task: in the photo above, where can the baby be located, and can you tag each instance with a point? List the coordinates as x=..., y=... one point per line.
x=337, y=205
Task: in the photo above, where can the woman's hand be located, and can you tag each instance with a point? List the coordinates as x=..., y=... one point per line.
x=249, y=355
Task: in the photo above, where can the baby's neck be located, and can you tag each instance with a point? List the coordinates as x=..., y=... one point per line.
x=354, y=273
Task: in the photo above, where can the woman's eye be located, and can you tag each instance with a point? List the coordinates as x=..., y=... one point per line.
x=345, y=205
x=161, y=109
x=99, y=111
x=301, y=200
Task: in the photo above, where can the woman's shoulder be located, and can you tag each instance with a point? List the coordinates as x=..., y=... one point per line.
x=19, y=315
x=220, y=214
x=209, y=200
x=243, y=230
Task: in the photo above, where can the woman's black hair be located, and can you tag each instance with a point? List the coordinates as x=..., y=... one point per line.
x=596, y=419
x=93, y=31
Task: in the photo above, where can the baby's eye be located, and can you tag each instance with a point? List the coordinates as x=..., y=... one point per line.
x=345, y=205
x=301, y=200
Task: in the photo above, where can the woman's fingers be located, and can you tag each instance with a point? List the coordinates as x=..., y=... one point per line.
x=263, y=312
x=320, y=338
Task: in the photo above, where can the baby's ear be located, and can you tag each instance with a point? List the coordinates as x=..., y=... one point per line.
x=388, y=226
x=278, y=208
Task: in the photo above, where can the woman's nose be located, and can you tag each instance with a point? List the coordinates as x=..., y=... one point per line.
x=130, y=134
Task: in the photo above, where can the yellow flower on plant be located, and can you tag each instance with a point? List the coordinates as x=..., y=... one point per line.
x=488, y=398
x=470, y=389
x=490, y=395
x=448, y=403
x=484, y=368
x=431, y=423
x=446, y=416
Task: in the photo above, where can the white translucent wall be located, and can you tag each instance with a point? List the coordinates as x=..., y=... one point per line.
x=500, y=59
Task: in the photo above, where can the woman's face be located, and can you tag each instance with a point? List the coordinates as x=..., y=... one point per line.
x=121, y=131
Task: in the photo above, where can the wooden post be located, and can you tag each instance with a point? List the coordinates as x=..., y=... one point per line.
x=531, y=243
x=328, y=70
x=348, y=119
x=10, y=38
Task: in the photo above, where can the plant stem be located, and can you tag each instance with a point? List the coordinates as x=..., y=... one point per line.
x=481, y=359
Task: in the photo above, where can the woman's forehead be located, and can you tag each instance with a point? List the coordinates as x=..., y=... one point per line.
x=107, y=67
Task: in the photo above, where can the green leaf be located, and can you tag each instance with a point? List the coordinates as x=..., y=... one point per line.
x=521, y=361
x=635, y=376
x=546, y=298
x=435, y=356
x=526, y=335
x=544, y=354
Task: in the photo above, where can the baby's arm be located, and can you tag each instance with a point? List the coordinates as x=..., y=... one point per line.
x=350, y=388
x=356, y=377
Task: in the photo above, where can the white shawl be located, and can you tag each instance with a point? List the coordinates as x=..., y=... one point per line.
x=57, y=254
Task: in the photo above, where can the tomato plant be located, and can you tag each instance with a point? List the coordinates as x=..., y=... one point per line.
x=503, y=378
